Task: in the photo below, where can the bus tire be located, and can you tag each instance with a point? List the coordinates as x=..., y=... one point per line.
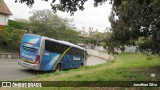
x=58, y=67
x=81, y=65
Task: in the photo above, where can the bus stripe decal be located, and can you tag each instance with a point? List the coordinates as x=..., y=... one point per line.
x=62, y=56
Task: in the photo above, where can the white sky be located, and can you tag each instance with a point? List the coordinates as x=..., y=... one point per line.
x=96, y=17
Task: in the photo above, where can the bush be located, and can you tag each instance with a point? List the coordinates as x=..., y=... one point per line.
x=9, y=39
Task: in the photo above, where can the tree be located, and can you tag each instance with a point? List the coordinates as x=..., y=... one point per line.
x=136, y=19
x=98, y=37
x=70, y=6
x=19, y=24
x=144, y=44
x=10, y=39
x=43, y=20
x=47, y=23
x=109, y=42
x=11, y=34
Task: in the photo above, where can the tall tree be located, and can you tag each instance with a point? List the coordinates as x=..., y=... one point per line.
x=19, y=24
x=9, y=39
x=70, y=6
x=137, y=19
x=47, y=23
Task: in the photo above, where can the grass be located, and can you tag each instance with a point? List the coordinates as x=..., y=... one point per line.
x=126, y=67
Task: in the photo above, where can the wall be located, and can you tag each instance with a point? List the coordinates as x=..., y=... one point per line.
x=100, y=54
x=128, y=49
x=8, y=55
x=99, y=48
x=3, y=19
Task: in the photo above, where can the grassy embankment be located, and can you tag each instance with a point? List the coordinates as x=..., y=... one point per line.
x=126, y=67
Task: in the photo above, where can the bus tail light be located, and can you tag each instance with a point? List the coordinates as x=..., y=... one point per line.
x=37, y=60
x=18, y=55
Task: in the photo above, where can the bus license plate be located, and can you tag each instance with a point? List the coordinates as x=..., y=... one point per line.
x=25, y=64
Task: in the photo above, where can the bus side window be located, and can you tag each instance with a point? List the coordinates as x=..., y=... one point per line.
x=71, y=51
x=62, y=48
x=51, y=46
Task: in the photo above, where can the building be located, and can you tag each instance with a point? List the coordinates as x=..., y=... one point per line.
x=4, y=13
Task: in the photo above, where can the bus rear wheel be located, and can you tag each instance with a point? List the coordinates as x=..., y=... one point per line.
x=58, y=67
x=81, y=65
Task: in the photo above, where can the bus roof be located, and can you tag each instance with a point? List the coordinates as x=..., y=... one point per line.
x=62, y=42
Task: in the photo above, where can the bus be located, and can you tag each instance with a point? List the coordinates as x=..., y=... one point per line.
x=46, y=54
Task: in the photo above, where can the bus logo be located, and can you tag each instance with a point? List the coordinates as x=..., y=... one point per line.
x=28, y=56
x=75, y=58
x=47, y=54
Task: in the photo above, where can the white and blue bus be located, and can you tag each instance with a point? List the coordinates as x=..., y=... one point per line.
x=46, y=54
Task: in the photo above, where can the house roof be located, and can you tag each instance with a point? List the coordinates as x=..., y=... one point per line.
x=4, y=9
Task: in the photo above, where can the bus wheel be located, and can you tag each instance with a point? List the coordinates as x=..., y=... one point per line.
x=81, y=65
x=58, y=67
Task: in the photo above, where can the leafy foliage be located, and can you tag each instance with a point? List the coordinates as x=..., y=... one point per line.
x=137, y=19
x=70, y=6
x=10, y=39
x=110, y=43
x=19, y=24
x=43, y=22
x=46, y=23
x=11, y=34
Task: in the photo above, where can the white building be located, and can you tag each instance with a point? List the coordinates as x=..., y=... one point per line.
x=4, y=13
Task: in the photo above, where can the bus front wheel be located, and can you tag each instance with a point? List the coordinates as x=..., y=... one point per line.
x=58, y=67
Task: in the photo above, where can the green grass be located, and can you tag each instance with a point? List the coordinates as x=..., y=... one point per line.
x=126, y=67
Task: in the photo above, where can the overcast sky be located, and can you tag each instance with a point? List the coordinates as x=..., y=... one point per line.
x=96, y=17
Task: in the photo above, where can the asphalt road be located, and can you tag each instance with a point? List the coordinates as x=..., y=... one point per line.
x=10, y=70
